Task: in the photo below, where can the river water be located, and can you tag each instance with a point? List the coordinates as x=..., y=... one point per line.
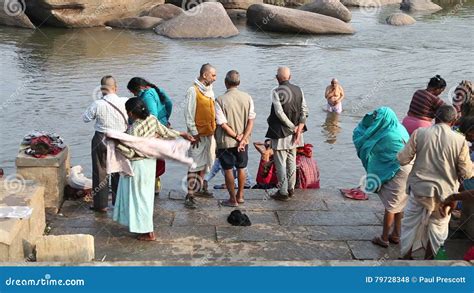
x=48, y=77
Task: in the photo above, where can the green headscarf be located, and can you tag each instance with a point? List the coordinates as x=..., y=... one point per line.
x=378, y=138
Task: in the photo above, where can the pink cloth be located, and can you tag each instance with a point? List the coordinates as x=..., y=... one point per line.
x=116, y=162
x=150, y=147
x=412, y=123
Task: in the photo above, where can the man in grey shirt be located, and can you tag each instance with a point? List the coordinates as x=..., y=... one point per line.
x=235, y=115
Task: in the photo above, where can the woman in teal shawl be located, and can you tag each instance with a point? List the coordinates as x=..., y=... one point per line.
x=378, y=138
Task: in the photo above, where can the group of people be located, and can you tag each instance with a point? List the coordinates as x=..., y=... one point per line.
x=216, y=126
x=419, y=167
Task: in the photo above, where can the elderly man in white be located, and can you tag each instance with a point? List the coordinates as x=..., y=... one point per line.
x=109, y=114
x=441, y=158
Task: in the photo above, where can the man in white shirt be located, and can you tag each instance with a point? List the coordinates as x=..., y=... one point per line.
x=200, y=117
x=109, y=114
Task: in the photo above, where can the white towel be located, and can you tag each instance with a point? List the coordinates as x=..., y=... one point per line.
x=158, y=148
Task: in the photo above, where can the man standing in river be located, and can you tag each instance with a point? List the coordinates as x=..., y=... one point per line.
x=200, y=117
x=286, y=125
x=109, y=114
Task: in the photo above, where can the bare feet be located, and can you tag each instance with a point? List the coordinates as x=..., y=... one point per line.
x=394, y=239
x=380, y=242
x=147, y=236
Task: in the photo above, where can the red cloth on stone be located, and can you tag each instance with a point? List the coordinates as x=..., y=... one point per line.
x=269, y=177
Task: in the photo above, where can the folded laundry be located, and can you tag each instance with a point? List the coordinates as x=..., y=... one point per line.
x=39, y=144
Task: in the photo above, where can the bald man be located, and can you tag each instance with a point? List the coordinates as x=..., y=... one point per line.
x=334, y=95
x=109, y=113
x=200, y=117
x=286, y=125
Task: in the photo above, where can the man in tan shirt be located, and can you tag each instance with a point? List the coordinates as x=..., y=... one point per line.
x=233, y=135
x=441, y=158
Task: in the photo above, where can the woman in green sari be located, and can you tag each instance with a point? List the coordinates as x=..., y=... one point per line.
x=136, y=194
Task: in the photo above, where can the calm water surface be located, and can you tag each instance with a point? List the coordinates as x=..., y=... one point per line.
x=48, y=77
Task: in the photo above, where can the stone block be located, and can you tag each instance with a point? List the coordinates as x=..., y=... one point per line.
x=366, y=250
x=254, y=233
x=343, y=232
x=17, y=236
x=67, y=248
x=50, y=172
x=326, y=218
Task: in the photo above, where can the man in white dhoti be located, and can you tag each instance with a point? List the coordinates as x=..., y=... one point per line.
x=441, y=159
x=200, y=117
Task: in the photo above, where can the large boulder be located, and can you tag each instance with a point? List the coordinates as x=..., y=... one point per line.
x=207, y=20
x=143, y=22
x=166, y=11
x=85, y=13
x=12, y=13
x=239, y=4
x=369, y=3
x=333, y=8
x=399, y=18
x=419, y=5
x=287, y=20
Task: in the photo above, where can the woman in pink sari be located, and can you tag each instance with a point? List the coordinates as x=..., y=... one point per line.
x=424, y=105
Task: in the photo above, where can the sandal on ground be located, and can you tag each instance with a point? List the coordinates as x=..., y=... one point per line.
x=354, y=193
x=146, y=237
x=378, y=241
x=241, y=201
x=228, y=203
x=393, y=240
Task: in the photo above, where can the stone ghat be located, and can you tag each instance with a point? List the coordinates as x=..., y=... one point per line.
x=18, y=236
x=317, y=227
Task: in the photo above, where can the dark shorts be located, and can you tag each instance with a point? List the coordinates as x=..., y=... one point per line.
x=230, y=158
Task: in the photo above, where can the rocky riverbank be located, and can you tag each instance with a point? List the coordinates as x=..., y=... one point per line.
x=202, y=19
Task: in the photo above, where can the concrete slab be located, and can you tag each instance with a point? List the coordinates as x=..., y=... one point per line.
x=249, y=194
x=219, y=218
x=128, y=248
x=326, y=218
x=185, y=234
x=291, y=205
x=343, y=232
x=69, y=248
x=303, y=231
x=18, y=236
x=257, y=233
x=275, y=250
x=50, y=172
x=365, y=250
x=355, y=206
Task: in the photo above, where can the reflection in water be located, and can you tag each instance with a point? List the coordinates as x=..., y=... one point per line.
x=331, y=127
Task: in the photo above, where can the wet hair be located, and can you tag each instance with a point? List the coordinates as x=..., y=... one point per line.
x=466, y=124
x=135, y=83
x=232, y=78
x=137, y=107
x=446, y=114
x=205, y=68
x=437, y=82
x=268, y=142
